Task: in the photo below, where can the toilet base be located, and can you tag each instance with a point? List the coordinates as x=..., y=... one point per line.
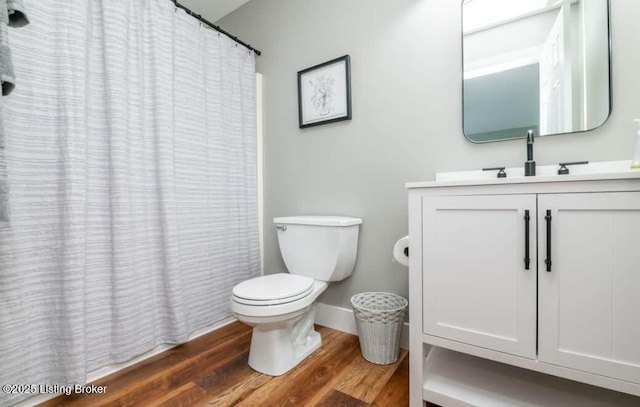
x=276, y=351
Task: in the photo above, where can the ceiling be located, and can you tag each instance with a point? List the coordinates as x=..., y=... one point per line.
x=212, y=10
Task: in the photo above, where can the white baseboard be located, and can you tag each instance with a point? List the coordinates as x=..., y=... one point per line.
x=342, y=319
x=110, y=369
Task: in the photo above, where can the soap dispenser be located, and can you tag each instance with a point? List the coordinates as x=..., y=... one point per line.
x=635, y=164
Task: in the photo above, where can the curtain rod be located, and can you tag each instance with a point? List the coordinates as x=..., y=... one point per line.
x=215, y=27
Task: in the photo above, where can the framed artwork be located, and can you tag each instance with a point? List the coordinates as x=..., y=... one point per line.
x=324, y=93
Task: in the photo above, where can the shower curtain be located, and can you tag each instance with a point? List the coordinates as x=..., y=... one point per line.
x=131, y=166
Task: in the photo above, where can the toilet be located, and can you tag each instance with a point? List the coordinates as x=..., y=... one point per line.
x=316, y=250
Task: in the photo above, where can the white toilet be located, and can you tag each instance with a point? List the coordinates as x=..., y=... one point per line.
x=280, y=307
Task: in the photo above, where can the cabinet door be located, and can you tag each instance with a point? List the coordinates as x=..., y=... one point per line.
x=589, y=304
x=477, y=289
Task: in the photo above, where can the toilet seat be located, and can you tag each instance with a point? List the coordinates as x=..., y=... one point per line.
x=273, y=289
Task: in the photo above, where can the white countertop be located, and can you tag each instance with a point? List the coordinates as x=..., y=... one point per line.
x=605, y=170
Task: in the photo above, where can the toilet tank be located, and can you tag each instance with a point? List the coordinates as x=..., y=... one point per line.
x=321, y=247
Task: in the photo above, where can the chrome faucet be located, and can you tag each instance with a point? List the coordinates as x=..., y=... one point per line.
x=530, y=165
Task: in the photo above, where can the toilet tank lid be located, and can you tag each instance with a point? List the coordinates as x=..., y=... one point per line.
x=318, y=220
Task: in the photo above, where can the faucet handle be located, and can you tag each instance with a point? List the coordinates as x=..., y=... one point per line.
x=501, y=173
x=563, y=170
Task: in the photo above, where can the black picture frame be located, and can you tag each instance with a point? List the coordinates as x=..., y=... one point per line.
x=324, y=93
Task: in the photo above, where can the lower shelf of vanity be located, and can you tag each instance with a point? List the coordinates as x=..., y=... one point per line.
x=453, y=379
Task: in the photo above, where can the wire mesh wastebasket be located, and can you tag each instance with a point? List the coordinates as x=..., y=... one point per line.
x=379, y=320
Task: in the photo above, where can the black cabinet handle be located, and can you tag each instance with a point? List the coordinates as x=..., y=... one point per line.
x=547, y=261
x=527, y=260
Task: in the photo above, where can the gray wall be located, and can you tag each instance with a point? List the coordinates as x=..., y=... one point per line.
x=406, y=78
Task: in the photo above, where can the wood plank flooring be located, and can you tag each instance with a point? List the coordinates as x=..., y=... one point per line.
x=212, y=370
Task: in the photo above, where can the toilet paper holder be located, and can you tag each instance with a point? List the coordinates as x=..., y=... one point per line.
x=401, y=251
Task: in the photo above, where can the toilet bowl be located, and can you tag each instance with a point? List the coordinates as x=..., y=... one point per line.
x=283, y=333
x=280, y=307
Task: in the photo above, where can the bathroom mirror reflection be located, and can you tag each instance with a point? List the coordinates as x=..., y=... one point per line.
x=534, y=64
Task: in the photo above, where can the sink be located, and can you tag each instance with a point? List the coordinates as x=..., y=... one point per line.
x=544, y=173
x=605, y=170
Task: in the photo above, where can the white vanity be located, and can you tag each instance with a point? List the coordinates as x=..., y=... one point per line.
x=540, y=274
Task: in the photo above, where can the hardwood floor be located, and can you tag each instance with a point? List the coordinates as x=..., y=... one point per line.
x=212, y=370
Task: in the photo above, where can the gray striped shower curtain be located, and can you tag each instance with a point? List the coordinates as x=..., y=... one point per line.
x=131, y=167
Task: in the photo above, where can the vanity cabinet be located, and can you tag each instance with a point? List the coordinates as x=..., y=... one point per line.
x=477, y=288
x=543, y=275
x=589, y=297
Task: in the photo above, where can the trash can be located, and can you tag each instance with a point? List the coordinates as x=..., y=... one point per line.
x=379, y=320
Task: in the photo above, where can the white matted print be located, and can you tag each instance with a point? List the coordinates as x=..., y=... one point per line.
x=324, y=93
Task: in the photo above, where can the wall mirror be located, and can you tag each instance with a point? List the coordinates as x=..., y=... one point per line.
x=534, y=64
